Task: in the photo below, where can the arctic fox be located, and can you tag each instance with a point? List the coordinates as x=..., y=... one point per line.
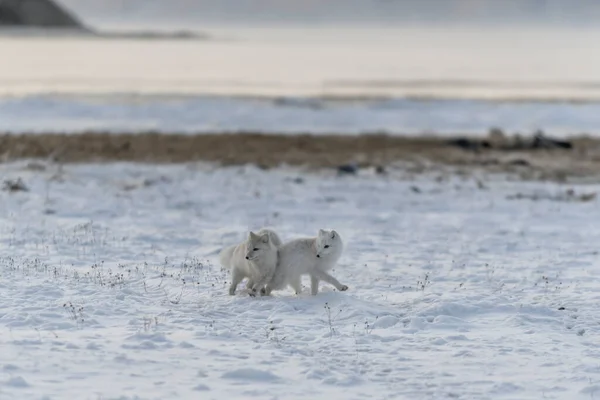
x=255, y=259
x=308, y=256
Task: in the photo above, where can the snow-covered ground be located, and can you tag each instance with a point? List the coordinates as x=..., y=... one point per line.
x=109, y=287
x=197, y=114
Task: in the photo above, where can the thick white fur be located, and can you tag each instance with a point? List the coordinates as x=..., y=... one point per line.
x=308, y=256
x=255, y=259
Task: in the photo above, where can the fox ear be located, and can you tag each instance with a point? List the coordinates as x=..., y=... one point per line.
x=321, y=232
x=265, y=238
x=252, y=235
x=333, y=234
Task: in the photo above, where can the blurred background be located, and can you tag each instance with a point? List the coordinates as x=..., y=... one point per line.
x=359, y=12
x=286, y=66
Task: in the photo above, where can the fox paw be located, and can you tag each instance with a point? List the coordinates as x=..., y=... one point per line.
x=343, y=288
x=263, y=292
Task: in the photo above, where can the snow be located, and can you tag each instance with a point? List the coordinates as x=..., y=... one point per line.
x=110, y=288
x=197, y=114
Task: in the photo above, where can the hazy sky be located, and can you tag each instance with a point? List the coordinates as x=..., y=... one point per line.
x=323, y=11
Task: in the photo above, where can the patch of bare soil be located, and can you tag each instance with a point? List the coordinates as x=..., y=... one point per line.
x=533, y=158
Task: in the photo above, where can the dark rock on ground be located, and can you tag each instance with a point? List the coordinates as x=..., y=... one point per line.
x=347, y=169
x=541, y=141
x=499, y=141
x=380, y=169
x=519, y=162
x=469, y=144
x=14, y=186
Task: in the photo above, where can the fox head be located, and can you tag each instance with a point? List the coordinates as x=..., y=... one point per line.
x=328, y=242
x=257, y=244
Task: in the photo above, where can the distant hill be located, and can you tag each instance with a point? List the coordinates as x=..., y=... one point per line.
x=37, y=13
x=48, y=18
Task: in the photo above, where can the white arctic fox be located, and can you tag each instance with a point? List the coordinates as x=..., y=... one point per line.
x=308, y=256
x=255, y=259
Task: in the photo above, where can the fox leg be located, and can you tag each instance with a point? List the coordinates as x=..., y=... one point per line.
x=324, y=276
x=261, y=283
x=296, y=284
x=251, y=287
x=266, y=291
x=314, y=285
x=259, y=287
x=236, y=278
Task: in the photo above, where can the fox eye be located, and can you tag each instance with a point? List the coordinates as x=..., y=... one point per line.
x=255, y=249
x=326, y=246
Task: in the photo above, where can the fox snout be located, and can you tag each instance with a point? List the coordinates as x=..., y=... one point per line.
x=247, y=258
x=318, y=256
